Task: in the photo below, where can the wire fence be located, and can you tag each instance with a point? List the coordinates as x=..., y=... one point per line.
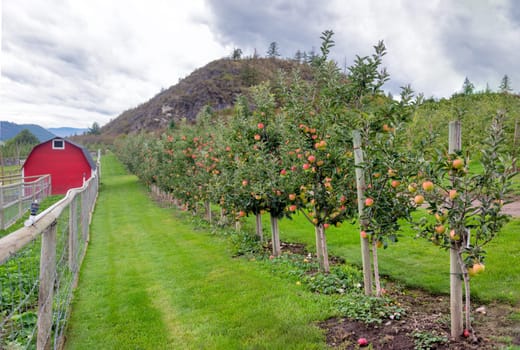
x=39, y=267
x=17, y=194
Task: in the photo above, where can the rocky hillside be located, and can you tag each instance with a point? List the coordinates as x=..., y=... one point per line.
x=217, y=84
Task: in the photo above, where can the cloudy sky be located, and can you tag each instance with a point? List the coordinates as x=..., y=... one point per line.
x=74, y=62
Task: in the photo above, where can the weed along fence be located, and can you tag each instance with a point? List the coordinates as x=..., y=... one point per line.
x=17, y=195
x=39, y=267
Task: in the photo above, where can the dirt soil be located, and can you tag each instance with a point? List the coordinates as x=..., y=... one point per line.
x=427, y=314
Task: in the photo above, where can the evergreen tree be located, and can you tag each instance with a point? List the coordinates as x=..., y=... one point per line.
x=95, y=129
x=237, y=54
x=467, y=87
x=273, y=50
x=298, y=56
x=505, y=85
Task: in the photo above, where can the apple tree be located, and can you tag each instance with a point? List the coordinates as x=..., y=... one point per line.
x=318, y=154
x=466, y=210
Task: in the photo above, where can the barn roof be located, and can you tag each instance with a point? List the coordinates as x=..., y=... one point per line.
x=86, y=153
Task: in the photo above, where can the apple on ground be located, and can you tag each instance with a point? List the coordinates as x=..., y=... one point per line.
x=362, y=342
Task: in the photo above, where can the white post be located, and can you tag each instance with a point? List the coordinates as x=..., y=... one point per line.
x=455, y=143
x=360, y=183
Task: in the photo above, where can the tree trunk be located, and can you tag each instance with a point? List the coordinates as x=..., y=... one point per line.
x=467, y=292
x=207, y=205
x=321, y=248
x=275, y=234
x=377, y=280
x=259, y=229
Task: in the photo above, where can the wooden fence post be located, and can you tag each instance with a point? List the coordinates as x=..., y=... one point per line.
x=21, y=194
x=85, y=212
x=2, y=209
x=360, y=182
x=455, y=144
x=73, y=234
x=46, y=290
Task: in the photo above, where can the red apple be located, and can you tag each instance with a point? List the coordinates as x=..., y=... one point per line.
x=419, y=199
x=395, y=183
x=257, y=137
x=293, y=207
x=457, y=163
x=292, y=196
x=427, y=186
x=363, y=234
x=362, y=342
x=283, y=172
x=440, y=229
x=453, y=194
x=369, y=202
x=466, y=333
x=306, y=166
x=245, y=182
x=454, y=236
x=260, y=125
x=311, y=158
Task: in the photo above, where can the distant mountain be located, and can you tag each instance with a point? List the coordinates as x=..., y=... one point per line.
x=65, y=131
x=217, y=84
x=9, y=130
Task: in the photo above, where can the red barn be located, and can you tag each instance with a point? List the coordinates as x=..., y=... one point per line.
x=67, y=163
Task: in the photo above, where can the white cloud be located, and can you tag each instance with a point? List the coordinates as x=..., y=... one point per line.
x=76, y=62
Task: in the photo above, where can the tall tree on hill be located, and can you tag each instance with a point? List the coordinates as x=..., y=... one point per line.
x=237, y=54
x=467, y=87
x=94, y=129
x=505, y=85
x=273, y=50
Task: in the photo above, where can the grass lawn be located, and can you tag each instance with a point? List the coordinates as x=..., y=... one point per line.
x=151, y=281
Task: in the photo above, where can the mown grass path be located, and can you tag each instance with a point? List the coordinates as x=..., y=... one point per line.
x=150, y=281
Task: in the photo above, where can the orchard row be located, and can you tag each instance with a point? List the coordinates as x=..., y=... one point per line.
x=330, y=148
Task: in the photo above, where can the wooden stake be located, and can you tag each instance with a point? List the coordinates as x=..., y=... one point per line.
x=360, y=182
x=455, y=141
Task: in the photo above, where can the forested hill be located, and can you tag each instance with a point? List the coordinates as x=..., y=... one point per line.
x=217, y=84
